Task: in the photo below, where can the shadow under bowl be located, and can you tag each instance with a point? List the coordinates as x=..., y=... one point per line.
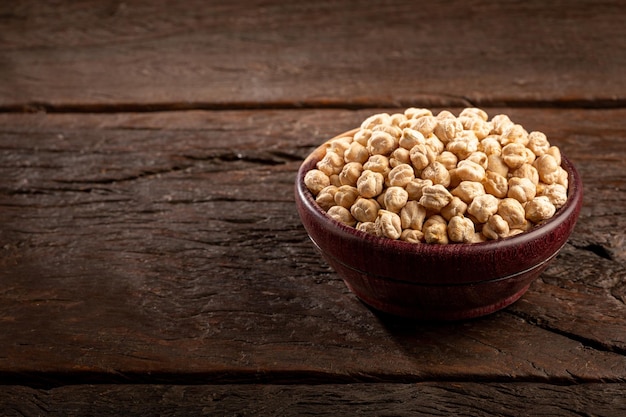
x=436, y=282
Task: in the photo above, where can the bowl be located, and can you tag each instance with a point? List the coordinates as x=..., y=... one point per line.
x=436, y=282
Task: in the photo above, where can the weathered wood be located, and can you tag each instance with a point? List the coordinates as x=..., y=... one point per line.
x=165, y=247
x=105, y=55
x=423, y=399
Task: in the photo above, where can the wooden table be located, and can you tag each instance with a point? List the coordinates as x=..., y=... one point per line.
x=151, y=258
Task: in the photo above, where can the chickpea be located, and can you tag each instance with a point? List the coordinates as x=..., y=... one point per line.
x=539, y=208
x=514, y=155
x=395, y=199
x=461, y=229
x=521, y=189
x=346, y=195
x=437, y=173
x=448, y=159
x=388, y=224
x=414, y=188
x=376, y=119
x=381, y=143
x=412, y=236
x=350, y=173
x=512, y=212
x=342, y=215
x=456, y=207
x=399, y=156
x=410, y=138
x=482, y=207
x=538, y=143
x=435, y=230
x=496, y=184
x=421, y=156
x=467, y=191
x=496, y=227
x=470, y=171
x=356, y=153
x=377, y=163
x=401, y=175
x=365, y=210
x=412, y=216
x=425, y=125
x=316, y=180
x=435, y=197
x=326, y=197
x=367, y=227
x=370, y=184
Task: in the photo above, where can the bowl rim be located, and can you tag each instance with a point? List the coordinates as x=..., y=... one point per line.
x=569, y=209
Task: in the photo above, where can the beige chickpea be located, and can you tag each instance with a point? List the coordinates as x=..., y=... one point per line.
x=425, y=125
x=367, y=227
x=362, y=136
x=539, y=208
x=548, y=168
x=339, y=145
x=356, y=153
x=461, y=229
x=421, y=156
x=448, y=159
x=456, y=207
x=435, y=144
x=414, y=188
x=467, y=191
x=350, y=173
x=464, y=144
x=496, y=227
x=377, y=163
x=563, y=177
x=496, y=164
x=482, y=207
x=556, y=154
x=514, y=133
x=521, y=189
x=365, y=209
x=399, y=156
x=394, y=131
x=447, y=129
x=416, y=112
x=445, y=114
x=397, y=119
x=474, y=112
x=437, y=173
x=556, y=193
x=470, y=171
x=395, y=199
x=381, y=143
x=435, y=197
x=479, y=126
x=376, y=119
x=401, y=175
x=346, y=195
x=410, y=138
x=454, y=179
x=370, y=183
x=490, y=146
x=530, y=156
x=342, y=215
x=495, y=184
x=527, y=171
x=480, y=158
x=435, y=230
x=538, y=143
x=412, y=236
x=512, y=212
x=500, y=122
x=316, y=180
x=388, y=224
x=326, y=197
x=412, y=215
x=334, y=180
x=514, y=155
x=331, y=163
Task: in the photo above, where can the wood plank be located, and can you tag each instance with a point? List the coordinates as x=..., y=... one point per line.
x=104, y=55
x=422, y=399
x=165, y=247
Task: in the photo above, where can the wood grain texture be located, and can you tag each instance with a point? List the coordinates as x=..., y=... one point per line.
x=421, y=399
x=165, y=247
x=107, y=55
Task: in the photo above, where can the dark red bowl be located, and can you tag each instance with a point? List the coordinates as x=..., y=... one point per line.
x=436, y=282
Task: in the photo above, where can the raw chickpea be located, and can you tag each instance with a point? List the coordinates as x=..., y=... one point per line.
x=456, y=207
x=556, y=193
x=365, y=209
x=474, y=112
x=410, y=138
x=514, y=155
x=414, y=188
x=470, y=171
x=461, y=229
x=479, y=126
x=444, y=114
x=421, y=156
x=512, y=212
x=521, y=189
x=467, y=191
x=331, y=163
x=412, y=216
x=412, y=236
x=381, y=143
x=395, y=199
x=334, y=180
x=496, y=164
x=547, y=168
x=356, y=153
x=514, y=133
x=448, y=128
x=316, y=180
x=397, y=119
x=377, y=163
x=346, y=195
x=538, y=143
x=539, y=208
x=401, y=175
x=376, y=119
x=496, y=228
x=556, y=154
x=435, y=230
x=394, y=131
x=448, y=159
x=435, y=144
x=496, y=184
x=437, y=173
x=527, y=171
x=350, y=173
x=416, y=113
x=388, y=224
x=500, y=123
x=367, y=227
x=326, y=197
x=482, y=207
x=370, y=184
x=425, y=125
x=399, y=156
x=362, y=136
x=342, y=215
x=435, y=197
x=490, y=146
x=480, y=158
x=464, y=144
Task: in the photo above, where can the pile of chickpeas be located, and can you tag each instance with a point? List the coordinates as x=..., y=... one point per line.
x=442, y=178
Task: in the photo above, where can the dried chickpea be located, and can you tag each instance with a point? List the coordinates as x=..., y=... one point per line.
x=444, y=114
x=399, y=156
x=464, y=144
x=512, y=212
x=468, y=191
x=395, y=199
x=394, y=131
x=356, y=153
x=437, y=173
x=539, y=208
x=388, y=224
x=350, y=173
x=496, y=164
x=362, y=136
x=479, y=126
x=414, y=188
x=448, y=128
x=468, y=170
x=316, y=180
x=410, y=138
x=401, y=175
x=412, y=215
x=434, y=144
x=456, y=207
x=521, y=189
x=342, y=215
x=496, y=227
x=556, y=154
x=381, y=143
x=500, y=122
x=339, y=145
x=538, y=143
x=370, y=183
x=556, y=193
x=480, y=158
x=331, y=163
x=527, y=171
x=461, y=229
x=412, y=236
x=334, y=180
x=416, y=113
x=435, y=230
x=490, y=146
x=421, y=156
x=425, y=125
x=376, y=119
x=482, y=207
x=448, y=159
x=547, y=168
x=495, y=184
x=326, y=197
x=514, y=133
x=514, y=155
x=367, y=227
x=474, y=112
x=346, y=195
x=435, y=197
x=365, y=209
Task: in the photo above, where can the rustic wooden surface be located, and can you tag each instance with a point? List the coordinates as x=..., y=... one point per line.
x=151, y=258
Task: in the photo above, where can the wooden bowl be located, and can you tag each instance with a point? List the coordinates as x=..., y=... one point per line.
x=436, y=282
